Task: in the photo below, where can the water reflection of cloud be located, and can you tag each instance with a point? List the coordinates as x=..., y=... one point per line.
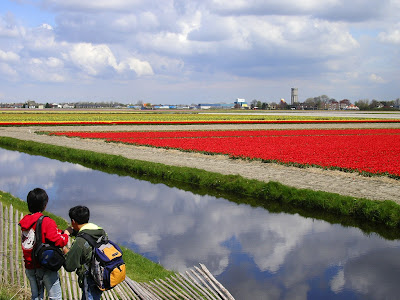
x=335, y=247
x=20, y=172
x=375, y=275
x=8, y=157
x=183, y=231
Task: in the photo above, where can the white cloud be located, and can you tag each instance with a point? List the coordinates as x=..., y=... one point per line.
x=126, y=23
x=376, y=78
x=353, y=11
x=91, y=5
x=41, y=38
x=46, y=26
x=8, y=70
x=8, y=56
x=166, y=65
x=10, y=157
x=140, y=67
x=8, y=26
x=54, y=62
x=391, y=36
x=93, y=58
x=46, y=70
x=337, y=282
x=148, y=20
x=96, y=59
x=264, y=7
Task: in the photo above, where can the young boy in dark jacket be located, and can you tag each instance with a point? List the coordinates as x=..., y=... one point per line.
x=40, y=278
x=79, y=256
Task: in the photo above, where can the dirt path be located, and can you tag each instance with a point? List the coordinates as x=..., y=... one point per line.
x=378, y=188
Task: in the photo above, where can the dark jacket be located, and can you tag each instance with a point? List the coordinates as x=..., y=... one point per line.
x=50, y=234
x=79, y=256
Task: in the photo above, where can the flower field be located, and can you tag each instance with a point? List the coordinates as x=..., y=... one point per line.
x=56, y=118
x=371, y=151
x=131, y=117
x=60, y=123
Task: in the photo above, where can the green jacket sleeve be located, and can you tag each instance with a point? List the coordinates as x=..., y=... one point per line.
x=75, y=257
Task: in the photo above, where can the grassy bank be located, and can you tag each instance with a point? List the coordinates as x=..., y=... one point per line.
x=138, y=267
x=8, y=292
x=374, y=213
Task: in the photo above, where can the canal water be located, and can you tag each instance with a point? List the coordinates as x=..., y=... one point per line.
x=256, y=254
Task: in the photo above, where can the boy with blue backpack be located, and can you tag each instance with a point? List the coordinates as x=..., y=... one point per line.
x=97, y=270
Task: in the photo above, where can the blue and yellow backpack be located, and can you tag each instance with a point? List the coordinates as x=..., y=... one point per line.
x=107, y=266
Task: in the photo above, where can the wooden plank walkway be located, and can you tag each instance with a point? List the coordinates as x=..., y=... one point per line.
x=195, y=283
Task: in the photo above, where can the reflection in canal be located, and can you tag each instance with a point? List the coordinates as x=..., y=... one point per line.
x=254, y=253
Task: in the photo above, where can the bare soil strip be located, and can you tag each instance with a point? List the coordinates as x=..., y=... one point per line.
x=351, y=184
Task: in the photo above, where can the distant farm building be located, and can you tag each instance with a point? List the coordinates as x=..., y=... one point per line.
x=241, y=103
x=333, y=105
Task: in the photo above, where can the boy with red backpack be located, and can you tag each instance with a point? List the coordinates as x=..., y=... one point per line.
x=38, y=276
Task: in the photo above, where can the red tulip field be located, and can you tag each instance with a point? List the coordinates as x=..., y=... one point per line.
x=373, y=151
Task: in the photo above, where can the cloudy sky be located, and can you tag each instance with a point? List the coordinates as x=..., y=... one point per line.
x=182, y=51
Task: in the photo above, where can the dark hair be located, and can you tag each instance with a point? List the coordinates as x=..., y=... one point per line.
x=80, y=214
x=37, y=200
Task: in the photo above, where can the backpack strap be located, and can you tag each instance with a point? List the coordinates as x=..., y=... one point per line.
x=38, y=237
x=38, y=231
x=91, y=240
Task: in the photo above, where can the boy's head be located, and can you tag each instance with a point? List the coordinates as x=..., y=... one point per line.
x=80, y=214
x=37, y=200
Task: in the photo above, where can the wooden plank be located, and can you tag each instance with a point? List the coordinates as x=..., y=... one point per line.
x=69, y=285
x=11, y=243
x=5, y=265
x=1, y=242
x=134, y=286
x=23, y=266
x=179, y=289
x=17, y=245
x=113, y=295
x=181, y=279
x=221, y=287
x=157, y=294
x=165, y=288
x=204, y=283
x=106, y=296
x=128, y=290
x=140, y=290
x=75, y=286
x=109, y=296
x=147, y=293
x=121, y=292
x=199, y=286
x=215, y=288
x=63, y=284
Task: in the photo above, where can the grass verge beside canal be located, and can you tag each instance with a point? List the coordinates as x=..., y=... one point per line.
x=386, y=213
x=139, y=268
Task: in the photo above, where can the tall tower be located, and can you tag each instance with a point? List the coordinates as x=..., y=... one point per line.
x=294, y=96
